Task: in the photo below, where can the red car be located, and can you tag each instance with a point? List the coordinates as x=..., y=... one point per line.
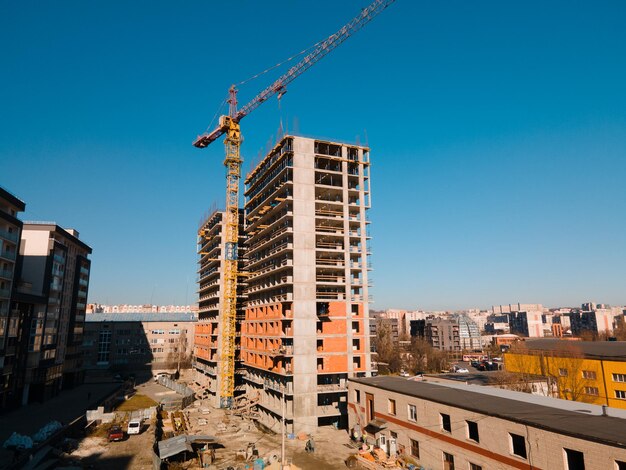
x=116, y=434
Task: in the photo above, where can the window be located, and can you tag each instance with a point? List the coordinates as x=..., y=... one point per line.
x=620, y=394
x=473, y=466
x=448, y=461
x=393, y=435
x=575, y=459
x=415, y=448
x=592, y=391
x=472, y=431
x=619, y=377
x=392, y=407
x=412, y=413
x=357, y=396
x=563, y=372
x=589, y=374
x=104, y=346
x=518, y=445
x=445, y=422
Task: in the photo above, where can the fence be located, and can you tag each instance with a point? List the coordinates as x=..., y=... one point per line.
x=187, y=394
x=99, y=415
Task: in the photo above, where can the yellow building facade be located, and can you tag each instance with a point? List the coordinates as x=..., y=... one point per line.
x=589, y=372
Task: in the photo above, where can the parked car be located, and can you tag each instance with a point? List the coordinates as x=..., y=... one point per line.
x=462, y=370
x=134, y=426
x=161, y=374
x=116, y=434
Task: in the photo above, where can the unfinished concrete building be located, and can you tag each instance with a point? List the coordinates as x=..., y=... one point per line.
x=306, y=328
x=207, y=338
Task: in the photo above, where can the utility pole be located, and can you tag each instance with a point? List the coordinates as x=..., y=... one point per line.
x=282, y=444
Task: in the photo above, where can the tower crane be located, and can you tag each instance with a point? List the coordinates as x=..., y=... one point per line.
x=229, y=125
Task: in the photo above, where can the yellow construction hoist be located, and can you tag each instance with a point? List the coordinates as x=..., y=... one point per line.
x=229, y=125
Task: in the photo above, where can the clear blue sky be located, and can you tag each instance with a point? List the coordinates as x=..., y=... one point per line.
x=498, y=136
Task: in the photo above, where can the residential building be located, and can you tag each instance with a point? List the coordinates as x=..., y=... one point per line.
x=211, y=281
x=306, y=328
x=10, y=231
x=417, y=328
x=594, y=318
x=410, y=317
x=497, y=323
x=524, y=319
x=393, y=325
x=54, y=272
x=479, y=428
x=400, y=317
x=443, y=334
x=584, y=371
x=136, y=341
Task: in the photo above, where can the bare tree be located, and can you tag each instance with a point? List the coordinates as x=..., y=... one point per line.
x=178, y=358
x=425, y=358
x=387, y=349
x=565, y=368
x=568, y=375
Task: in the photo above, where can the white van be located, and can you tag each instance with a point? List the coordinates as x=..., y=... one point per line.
x=134, y=426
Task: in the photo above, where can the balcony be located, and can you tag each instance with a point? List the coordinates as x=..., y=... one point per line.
x=329, y=410
x=6, y=274
x=8, y=236
x=56, y=286
x=331, y=388
x=10, y=255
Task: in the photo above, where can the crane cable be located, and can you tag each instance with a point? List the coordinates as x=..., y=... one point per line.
x=219, y=109
x=279, y=64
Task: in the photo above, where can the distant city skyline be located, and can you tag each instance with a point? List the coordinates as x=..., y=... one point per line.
x=497, y=134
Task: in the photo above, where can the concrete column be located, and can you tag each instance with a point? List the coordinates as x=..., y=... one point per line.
x=304, y=295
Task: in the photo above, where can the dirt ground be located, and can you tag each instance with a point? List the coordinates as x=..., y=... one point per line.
x=235, y=434
x=134, y=452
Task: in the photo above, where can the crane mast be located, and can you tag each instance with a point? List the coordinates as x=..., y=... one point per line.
x=229, y=125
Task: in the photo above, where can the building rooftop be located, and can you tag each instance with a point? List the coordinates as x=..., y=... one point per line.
x=54, y=228
x=570, y=418
x=590, y=349
x=475, y=378
x=141, y=317
x=17, y=202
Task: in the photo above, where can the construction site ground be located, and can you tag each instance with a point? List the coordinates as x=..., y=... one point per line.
x=96, y=452
x=234, y=433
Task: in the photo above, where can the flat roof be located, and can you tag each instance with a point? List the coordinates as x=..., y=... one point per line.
x=571, y=418
x=477, y=378
x=590, y=349
x=141, y=317
x=13, y=199
x=55, y=228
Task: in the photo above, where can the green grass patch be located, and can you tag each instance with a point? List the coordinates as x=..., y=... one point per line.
x=136, y=402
